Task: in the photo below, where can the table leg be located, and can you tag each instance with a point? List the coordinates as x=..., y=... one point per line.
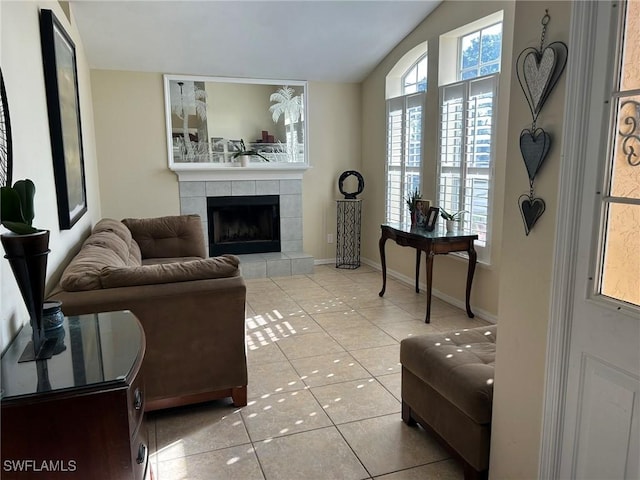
x=418, y=253
x=429, y=265
x=383, y=261
x=473, y=257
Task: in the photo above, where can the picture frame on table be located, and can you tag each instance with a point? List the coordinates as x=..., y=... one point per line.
x=421, y=211
x=432, y=218
x=65, y=129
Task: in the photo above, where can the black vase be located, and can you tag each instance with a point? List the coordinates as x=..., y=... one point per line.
x=27, y=255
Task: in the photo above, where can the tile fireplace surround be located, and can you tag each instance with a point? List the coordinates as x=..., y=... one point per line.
x=291, y=260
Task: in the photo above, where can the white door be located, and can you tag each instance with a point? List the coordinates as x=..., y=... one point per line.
x=592, y=408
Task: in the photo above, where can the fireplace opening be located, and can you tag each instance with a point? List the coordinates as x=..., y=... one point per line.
x=243, y=224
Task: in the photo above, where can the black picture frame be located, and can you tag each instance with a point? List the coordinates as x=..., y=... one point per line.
x=432, y=219
x=65, y=130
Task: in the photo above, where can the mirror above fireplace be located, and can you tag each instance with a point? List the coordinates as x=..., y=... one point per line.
x=210, y=119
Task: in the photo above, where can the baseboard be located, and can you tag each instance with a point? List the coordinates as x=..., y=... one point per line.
x=410, y=281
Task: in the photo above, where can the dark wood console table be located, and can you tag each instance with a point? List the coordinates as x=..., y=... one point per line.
x=432, y=243
x=79, y=414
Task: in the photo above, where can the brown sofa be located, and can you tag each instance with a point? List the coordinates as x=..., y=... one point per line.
x=447, y=387
x=191, y=307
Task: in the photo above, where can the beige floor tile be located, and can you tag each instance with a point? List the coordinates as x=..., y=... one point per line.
x=230, y=463
x=338, y=320
x=386, y=444
x=283, y=414
x=276, y=326
x=309, y=345
x=327, y=369
x=370, y=299
x=356, y=338
x=313, y=455
x=273, y=307
x=323, y=305
x=442, y=470
x=355, y=400
x=403, y=330
x=393, y=383
x=460, y=320
x=261, y=352
x=386, y=314
x=272, y=378
x=379, y=360
x=196, y=429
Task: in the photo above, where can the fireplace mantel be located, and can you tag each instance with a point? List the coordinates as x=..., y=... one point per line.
x=190, y=172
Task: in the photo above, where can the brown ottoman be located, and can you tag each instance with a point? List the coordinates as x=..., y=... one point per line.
x=447, y=387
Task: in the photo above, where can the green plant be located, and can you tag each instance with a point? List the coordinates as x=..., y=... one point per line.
x=411, y=199
x=455, y=217
x=244, y=151
x=16, y=209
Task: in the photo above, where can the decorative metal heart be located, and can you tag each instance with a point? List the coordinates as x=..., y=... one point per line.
x=538, y=72
x=531, y=209
x=534, y=147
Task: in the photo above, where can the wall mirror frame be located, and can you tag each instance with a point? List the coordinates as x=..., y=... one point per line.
x=209, y=119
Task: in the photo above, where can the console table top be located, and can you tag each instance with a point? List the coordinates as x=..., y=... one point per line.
x=94, y=349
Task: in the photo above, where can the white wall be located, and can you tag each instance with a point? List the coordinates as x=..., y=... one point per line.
x=24, y=79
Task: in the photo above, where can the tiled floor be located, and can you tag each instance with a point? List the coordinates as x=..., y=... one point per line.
x=324, y=388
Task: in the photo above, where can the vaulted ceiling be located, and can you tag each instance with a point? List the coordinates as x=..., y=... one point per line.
x=318, y=40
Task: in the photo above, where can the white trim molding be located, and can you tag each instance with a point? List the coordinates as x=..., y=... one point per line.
x=576, y=118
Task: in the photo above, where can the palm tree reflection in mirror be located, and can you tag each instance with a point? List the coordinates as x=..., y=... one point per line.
x=290, y=106
x=188, y=101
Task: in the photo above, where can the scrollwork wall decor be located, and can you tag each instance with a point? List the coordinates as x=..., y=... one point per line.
x=538, y=72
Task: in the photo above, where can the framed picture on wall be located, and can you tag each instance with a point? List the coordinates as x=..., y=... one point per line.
x=63, y=106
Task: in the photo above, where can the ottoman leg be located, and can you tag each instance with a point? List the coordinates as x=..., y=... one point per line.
x=406, y=415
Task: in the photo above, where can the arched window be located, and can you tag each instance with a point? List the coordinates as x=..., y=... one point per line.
x=415, y=79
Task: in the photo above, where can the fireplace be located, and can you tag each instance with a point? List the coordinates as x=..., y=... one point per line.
x=243, y=224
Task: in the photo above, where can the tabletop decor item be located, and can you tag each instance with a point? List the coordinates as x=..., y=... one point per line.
x=411, y=200
x=343, y=177
x=451, y=218
x=26, y=249
x=538, y=71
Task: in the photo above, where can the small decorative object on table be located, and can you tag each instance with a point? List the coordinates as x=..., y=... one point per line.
x=432, y=218
x=26, y=249
x=411, y=203
x=451, y=219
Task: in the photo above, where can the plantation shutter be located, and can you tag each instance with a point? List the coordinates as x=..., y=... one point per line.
x=467, y=110
x=404, y=153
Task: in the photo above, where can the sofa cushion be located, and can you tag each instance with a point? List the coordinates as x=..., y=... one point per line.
x=100, y=250
x=171, y=236
x=120, y=229
x=201, y=269
x=459, y=365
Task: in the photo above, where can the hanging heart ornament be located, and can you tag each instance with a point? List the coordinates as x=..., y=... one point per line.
x=539, y=71
x=531, y=209
x=534, y=146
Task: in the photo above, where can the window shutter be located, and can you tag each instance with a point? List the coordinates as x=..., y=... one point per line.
x=404, y=153
x=467, y=110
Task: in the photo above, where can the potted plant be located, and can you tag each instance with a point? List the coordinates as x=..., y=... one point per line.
x=245, y=155
x=26, y=249
x=411, y=203
x=451, y=218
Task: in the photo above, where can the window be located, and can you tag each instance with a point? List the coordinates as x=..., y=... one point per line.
x=415, y=80
x=467, y=132
x=404, y=153
x=620, y=203
x=480, y=52
x=404, y=141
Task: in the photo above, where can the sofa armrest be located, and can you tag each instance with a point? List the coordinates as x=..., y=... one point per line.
x=171, y=236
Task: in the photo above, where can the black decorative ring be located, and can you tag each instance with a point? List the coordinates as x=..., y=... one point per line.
x=348, y=173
